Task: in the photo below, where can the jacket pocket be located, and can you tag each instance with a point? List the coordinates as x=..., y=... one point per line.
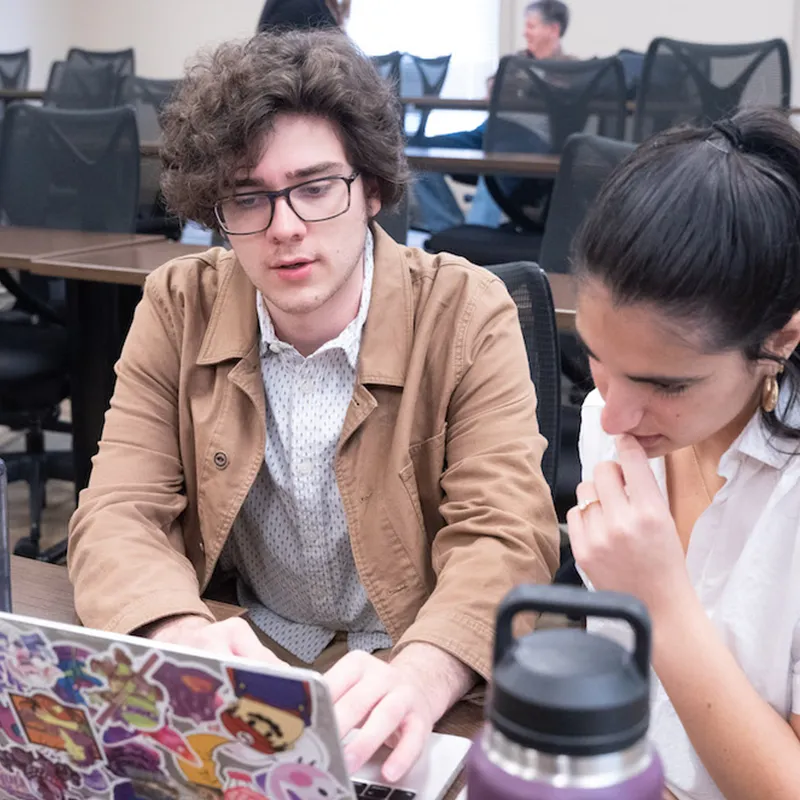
x=422, y=478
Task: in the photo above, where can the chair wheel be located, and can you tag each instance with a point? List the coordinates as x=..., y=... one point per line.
x=26, y=548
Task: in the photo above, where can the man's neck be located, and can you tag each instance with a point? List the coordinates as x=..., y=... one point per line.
x=554, y=52
x=308, y=332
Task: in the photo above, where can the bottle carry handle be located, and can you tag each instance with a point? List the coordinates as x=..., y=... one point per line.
x=575, y=602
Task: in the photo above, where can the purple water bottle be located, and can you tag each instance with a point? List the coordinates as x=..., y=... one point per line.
x=568, y=710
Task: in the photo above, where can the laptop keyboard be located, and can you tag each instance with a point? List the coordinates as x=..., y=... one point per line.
x=376, y=791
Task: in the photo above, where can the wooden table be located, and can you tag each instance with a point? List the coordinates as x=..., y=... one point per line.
x=465, y=162
x=20, y=245
x=564, y=292
x=477, y=162
x=122, y=265
x=43, y=591
x=97, y=316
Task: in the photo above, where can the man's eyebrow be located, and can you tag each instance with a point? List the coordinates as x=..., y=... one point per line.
x=315, y=169
x=251, y=182
x=659, y=380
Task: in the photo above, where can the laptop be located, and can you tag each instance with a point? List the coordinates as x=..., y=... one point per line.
x=88, y=714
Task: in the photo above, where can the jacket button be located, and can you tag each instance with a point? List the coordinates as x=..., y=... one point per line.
x=220, y=460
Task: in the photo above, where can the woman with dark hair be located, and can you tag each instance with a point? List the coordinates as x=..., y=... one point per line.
x=303, y=14
x=689, y=306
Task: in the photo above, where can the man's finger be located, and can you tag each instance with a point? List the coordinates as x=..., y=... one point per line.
x=639, y=479
x=346, y=673
x=386, y=717
x=355, y=705
x=414, y=735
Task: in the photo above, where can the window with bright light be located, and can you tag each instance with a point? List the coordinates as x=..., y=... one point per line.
x=467, y=29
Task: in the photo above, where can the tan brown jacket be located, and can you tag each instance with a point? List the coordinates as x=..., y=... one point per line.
x=438, y=463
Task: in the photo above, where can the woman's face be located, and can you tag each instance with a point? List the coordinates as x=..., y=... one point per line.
x=657, y=382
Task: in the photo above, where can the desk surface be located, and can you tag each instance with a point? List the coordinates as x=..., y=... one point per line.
x=132, y=264
x=445, y=159
x=44, y=591
x=477, y=162
x=129, y=265
x=564, y=292
x=18, y=245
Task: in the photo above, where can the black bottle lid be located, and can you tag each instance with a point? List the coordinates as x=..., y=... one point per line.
x=567, y=691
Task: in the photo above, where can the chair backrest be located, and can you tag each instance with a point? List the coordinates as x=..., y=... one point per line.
x=79, y=87
x=69, y=169
x=528, y=286
x=421, y=77
x=536, y=105
x=123, y=62
x=687, y=82
x=388, y=67
x=15, y=69
x=586, y=161
x=147, y=96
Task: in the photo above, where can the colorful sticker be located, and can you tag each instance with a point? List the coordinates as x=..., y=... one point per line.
x=82, y=719
x=48, y=722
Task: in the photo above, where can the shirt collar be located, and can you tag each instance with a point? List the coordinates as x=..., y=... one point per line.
x=758, y=442
x=349, y=340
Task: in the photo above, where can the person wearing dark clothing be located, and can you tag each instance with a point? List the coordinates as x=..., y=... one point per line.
x=302, y=14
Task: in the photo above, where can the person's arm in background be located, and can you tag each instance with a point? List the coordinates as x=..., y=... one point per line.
x=126, y=554
x=500, y=530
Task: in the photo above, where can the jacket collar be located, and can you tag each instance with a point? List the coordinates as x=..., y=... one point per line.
x=233, y=331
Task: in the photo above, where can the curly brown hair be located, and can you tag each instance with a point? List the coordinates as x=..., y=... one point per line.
x=216, y=123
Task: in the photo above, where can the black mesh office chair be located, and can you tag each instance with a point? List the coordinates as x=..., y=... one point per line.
x=535, y=106
x=82, y=88
x=15, y=69
x=123, y=62
x=421, y=77
x=388, y=66
x=58, y=169
x=528, y=286
x=686, y=82
x=586, y=161
x=147, y=96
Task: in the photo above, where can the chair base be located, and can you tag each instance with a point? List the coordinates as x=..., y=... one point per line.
x=36, y=467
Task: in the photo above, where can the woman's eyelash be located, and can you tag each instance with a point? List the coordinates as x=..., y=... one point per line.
x=671, y=389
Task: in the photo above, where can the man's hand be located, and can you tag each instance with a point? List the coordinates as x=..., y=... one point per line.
x=395, y=703
x=231, y=637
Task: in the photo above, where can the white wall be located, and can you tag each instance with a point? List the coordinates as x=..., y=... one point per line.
x=45, y=26
x=164, y=33
x=602, y=27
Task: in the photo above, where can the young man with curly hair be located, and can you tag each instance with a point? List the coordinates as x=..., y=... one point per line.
x=343, y=427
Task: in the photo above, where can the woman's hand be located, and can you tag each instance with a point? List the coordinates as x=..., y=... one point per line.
x=625, y=539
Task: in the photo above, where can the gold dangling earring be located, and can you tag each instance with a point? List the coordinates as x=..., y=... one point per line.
x=769, y=394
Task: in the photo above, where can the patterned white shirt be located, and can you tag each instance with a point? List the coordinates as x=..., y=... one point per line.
x=290, y=545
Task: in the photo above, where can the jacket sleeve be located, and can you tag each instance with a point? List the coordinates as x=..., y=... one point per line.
x=126, y=552
x=500, y=524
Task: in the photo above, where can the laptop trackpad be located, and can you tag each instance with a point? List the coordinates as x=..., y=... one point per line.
x=428, y=779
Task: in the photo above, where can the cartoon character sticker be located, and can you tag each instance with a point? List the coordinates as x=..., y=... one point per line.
x=129, y=699
x=50, y=780
x=192, y=692
x=48, y=722
x=300, y=782
x=72, y=663
x=270, y=713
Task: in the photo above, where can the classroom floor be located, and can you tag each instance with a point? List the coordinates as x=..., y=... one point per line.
x=60, y=494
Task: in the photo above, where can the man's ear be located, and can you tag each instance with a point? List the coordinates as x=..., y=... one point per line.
x=372, y=197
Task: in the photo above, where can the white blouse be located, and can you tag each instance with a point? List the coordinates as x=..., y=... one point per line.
x=744, y=563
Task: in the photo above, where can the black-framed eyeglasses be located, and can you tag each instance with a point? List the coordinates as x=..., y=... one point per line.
x=316, y=200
